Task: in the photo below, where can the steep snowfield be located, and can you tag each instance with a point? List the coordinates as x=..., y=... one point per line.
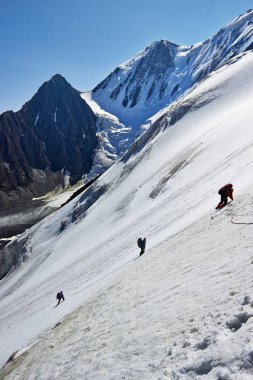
x=177, y=311
x=166, y=317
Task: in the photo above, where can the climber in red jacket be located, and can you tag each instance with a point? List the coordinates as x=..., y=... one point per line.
x=225, y=192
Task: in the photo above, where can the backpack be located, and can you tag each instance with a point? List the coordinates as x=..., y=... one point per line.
x=223, y=190
x=139, y=242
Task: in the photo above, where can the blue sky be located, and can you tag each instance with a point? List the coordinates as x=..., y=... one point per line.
x=84, y=40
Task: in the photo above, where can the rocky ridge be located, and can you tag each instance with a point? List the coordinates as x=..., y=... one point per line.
x=53, y=135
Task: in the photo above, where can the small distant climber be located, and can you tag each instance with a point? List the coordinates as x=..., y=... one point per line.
x=142, y=245
x=60, y=297
x=225, y=192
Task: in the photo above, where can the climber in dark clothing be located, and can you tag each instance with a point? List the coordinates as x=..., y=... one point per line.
x=225, y=192
x=60, y=297
x=142, y=245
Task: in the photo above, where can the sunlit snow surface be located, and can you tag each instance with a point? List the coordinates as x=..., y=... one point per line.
x=176, y=312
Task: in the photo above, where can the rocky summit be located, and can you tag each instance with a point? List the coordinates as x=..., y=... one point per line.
x=52, y=135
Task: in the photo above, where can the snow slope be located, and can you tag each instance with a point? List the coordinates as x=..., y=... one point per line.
x=176, y=312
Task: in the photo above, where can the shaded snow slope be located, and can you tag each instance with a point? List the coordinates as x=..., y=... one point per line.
x=193, y=276
x=163, y=71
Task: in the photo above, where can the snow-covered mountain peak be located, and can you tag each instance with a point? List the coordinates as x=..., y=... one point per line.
x=137, y=81
x=163, y=71
x=161, y=45
x=243, y=15
x=149, y=65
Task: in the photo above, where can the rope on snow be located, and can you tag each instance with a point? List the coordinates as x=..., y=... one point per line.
x=239, y=222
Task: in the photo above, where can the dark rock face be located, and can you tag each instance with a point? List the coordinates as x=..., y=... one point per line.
x=153, y=66
x=157, y=60
x=55, y=132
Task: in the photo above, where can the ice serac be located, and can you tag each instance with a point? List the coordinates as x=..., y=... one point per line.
x=53, y=133
x=162, y=72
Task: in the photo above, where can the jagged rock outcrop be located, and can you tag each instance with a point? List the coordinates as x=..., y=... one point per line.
x=53, y=134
